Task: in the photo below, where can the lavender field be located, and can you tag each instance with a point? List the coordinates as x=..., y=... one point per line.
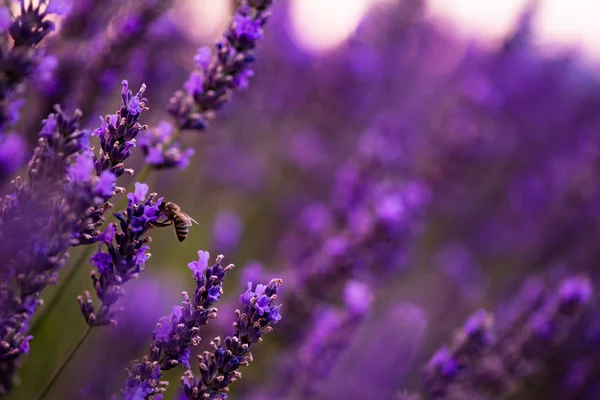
x=412, y=214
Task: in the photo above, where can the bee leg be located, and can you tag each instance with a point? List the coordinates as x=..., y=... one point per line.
x=164, y=223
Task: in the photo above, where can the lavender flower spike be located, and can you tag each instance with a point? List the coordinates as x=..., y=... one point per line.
x=209, y=86
x=117, y=134
x=216, y=76
x=447, y=363
x=219, y=368
x=161, y=151
x=21, y=61
x=36, y=224
x=481, y=364
x=175, y=334
x=125, y=254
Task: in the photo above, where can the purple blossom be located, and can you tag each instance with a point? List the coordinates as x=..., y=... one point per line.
x=483, y=362
x=49, y=125
x=139, y=194
x=162, y=331
x=391, y=207
x=133, y=104
x=162, y=149
x=13, y=110
x=122, y=258
x=117, y=134
x=52, y=206
x=194, y=84
x=105, y=186
x=445, y=361
x=108, y=235
x=477, y=324
x=424, y=143
x=174, y=335
x=101, y=261
x=81, y=169
x=182, y=158
x=246, y=28
x=132, y=24
x=203, y=58
x=218, y=368
x=20, y=60
x=357, y=296
x=209, y=87
x=243, y=80
x=199, y=267
x=193, y=313
x=576, y=289
x=184, y=358
x=154, y=156
x=164, y=131
x=24, y=348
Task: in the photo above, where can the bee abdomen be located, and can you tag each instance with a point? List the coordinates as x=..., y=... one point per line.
x=181, y=230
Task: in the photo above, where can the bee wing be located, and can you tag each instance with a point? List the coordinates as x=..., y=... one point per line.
x=188, y=219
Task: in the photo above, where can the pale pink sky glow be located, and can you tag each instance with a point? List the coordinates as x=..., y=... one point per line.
x=320, y=25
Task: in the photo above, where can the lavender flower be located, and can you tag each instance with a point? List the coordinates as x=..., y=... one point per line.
x=309, y=365
x=218, y=368
x=481, y=362
x=36, y=223
x=373, y=232
x=389, y=341
x=174, y=335
x=20, y=61
x=161, y=150
x=117, y=134
x=210, y=86
x=125, y=255
x=358, y=297
x=512, y=165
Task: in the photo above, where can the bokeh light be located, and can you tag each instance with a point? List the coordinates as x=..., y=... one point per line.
x=319, y=25
x=323, y=24
x=475, y=17
x=206, y=17
x=572, y=22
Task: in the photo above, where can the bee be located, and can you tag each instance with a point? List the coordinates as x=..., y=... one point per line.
x=176, y=217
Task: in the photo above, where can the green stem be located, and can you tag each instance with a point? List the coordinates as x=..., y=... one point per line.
x=47, y=310
x=144, y=173
x=65, y=362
